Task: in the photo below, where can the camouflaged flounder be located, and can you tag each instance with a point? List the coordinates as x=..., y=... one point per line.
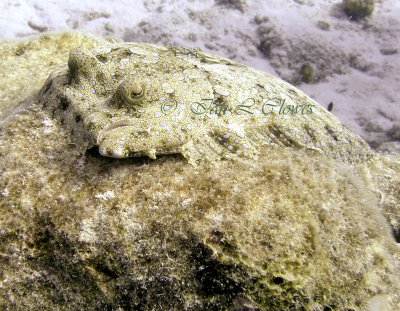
x=140, y=99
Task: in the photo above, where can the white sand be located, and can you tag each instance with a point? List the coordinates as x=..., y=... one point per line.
x=357, y=64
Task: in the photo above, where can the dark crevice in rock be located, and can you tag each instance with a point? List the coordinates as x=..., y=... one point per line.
x=396, y=233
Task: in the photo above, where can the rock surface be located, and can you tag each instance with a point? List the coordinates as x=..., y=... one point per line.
x=293, y=231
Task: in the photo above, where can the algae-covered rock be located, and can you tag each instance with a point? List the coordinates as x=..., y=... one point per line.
x=358, y=9
x=295, y=230
x=234, y=4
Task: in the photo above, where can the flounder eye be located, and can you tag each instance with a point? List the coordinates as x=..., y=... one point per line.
x=130, y=92
x=137, y=90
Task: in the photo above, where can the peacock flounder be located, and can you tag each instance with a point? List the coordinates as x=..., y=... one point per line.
x=134, y=99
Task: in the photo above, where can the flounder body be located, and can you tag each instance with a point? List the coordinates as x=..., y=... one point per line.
x=134, y=99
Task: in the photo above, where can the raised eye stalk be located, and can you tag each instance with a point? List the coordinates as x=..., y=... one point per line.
x=83, y=63
x=130, y=92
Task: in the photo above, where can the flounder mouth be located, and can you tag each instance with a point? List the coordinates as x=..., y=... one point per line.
x=123, y=139
x=119, y=124
x=115, y=140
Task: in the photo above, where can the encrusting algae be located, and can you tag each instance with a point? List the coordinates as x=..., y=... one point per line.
x=294, y=228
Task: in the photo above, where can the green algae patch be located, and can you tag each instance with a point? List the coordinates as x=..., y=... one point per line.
x=358, y=9
x=307, y=73
x=294, y=231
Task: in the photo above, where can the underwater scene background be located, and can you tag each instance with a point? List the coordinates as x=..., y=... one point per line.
x=152, y=156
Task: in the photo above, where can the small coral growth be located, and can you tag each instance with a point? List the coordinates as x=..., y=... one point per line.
x=358, y=9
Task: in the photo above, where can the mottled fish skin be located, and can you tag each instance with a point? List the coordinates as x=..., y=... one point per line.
x=134, y=99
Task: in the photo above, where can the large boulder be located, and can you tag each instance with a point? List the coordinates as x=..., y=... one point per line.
x=296, y=230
